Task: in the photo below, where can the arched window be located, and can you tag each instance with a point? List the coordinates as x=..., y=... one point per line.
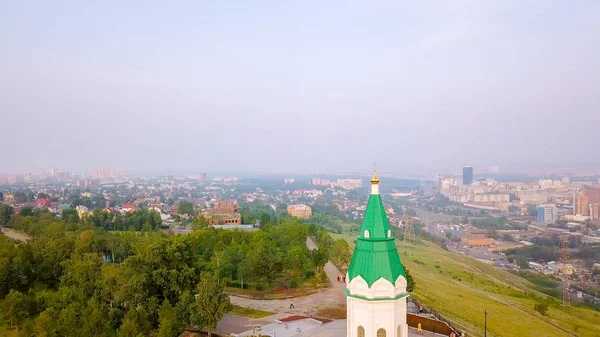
x=360, y=332
x=381, y=333
x=367, y=234
x=389, y=233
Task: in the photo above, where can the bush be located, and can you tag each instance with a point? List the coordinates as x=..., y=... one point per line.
x=294, y=283
x=542, y=308
x=260, y=286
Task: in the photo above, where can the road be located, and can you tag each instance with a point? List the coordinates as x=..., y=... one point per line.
x=306, y=305
x=15, y=235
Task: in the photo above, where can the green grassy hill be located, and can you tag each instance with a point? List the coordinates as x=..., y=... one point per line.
x=461, y=288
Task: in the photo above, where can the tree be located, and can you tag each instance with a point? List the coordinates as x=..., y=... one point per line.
x=83, y=272
x=296, y=259
x=411, y=284
x=185, y=207
x=20, y=197
x=167, y=320
x=531, y=210
x=95, y=322
x=341, y=253
x=68, y=322
x=42, y=195
x=211, y=302
x=135, y=323
x=5, y=212
x=70, y=215
x=184, y=309
x=26, y=211
x=30, y=196
x=200, y=222
x=45, y=325
x=265, y=260
x=16, y=308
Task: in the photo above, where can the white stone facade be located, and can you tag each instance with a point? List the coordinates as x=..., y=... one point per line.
x=376, y=311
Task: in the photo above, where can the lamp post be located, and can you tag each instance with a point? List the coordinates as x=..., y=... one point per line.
x=485, y=324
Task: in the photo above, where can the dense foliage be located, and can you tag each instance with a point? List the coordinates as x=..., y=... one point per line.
x=75, y=279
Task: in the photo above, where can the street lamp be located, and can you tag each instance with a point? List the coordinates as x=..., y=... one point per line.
x=485, y=324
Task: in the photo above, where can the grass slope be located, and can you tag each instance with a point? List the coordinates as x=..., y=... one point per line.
x=461, y=288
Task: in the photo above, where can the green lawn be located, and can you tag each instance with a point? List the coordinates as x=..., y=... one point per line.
x=249, y=312
x=461, y=288
x=280, y=289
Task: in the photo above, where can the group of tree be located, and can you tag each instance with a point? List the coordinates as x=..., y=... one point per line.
x=141, y=220
x=75, y=278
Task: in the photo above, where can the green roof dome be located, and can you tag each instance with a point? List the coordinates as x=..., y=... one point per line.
x=375, y=255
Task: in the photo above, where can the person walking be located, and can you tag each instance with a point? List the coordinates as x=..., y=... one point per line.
x=292, y=305
x=419, y=329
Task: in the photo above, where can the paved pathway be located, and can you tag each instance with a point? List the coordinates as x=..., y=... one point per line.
x=15, y=235
x=306, y=305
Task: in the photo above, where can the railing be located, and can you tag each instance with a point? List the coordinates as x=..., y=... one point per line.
x=451, y=326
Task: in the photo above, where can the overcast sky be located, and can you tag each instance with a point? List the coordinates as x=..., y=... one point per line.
x=298, y=85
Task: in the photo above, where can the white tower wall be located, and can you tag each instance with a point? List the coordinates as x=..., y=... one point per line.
x=376, y=308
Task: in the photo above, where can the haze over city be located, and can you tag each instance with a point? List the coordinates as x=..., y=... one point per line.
x=259, y=86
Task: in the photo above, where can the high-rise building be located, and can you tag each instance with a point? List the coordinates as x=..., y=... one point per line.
x=62, y=176
x=595, y=211
x=581, y=203
x=467, y=175
x=546, y=213
x=593, y=194
x=102, y=174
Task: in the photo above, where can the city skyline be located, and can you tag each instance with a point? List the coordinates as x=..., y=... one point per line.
x=511, y=84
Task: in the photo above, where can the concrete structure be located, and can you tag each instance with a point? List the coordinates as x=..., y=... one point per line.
x=350, y=184
x=300, y=211
x=321, y=182
x=287, y=327
x=225, y=212
x=581, y=203
x=447, y=184
x=477, y=242
x=575, y=217
x=376, y=281
x=100, y=174
x=82, y=212
x=595, y=211
x=547, y=213
x=241, y=227
x=467, y=175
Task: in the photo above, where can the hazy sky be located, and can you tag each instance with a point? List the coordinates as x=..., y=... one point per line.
x=291, y=86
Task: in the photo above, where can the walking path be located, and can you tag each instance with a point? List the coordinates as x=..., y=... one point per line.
x=306, y=305
x=15, y=235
